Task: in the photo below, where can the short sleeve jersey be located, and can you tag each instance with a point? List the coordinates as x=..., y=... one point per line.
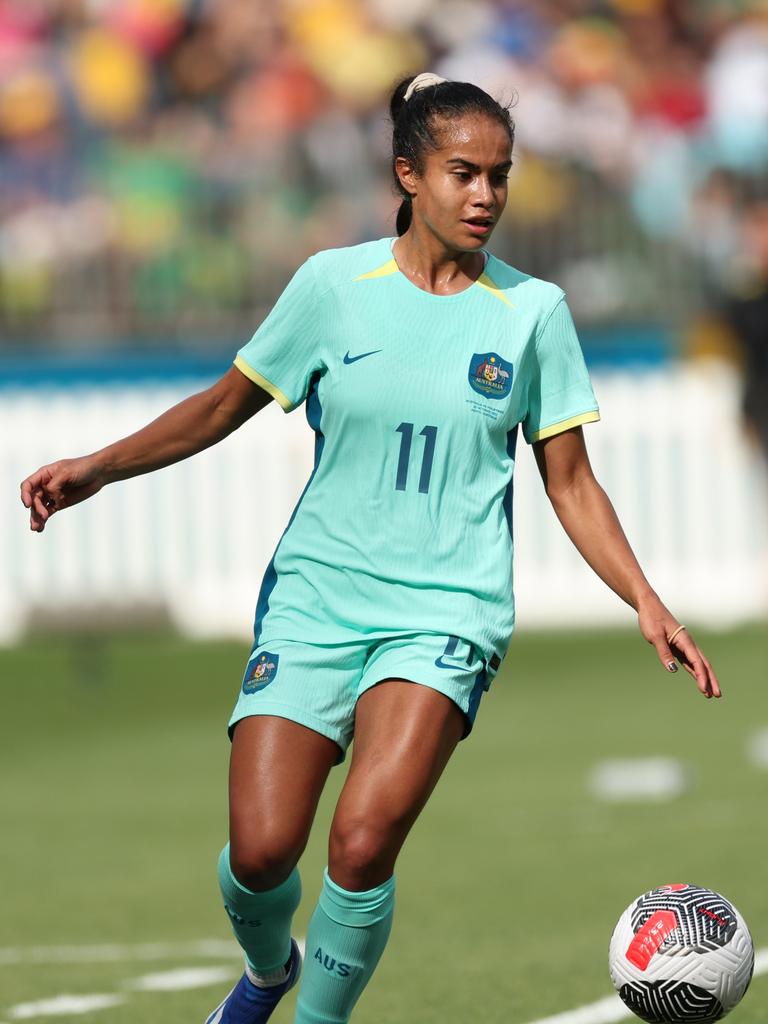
x=416, y=399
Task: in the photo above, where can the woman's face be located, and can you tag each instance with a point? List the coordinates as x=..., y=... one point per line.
x=462, y=190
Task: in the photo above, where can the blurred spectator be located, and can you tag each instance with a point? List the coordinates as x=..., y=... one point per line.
x=165, y=164
x=746, y=313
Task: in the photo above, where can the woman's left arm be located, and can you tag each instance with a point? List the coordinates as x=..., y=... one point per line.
x=589, y=519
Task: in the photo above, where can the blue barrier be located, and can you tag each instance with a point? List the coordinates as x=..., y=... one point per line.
x=642, y=346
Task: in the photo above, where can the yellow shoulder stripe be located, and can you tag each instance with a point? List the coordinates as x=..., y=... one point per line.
x=390, y=267
x=558, y=428
x=490, y=286
x=267, y=385
x=484, y=281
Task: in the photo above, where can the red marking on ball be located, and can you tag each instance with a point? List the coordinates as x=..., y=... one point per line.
x=647, y=940
x=715, y=917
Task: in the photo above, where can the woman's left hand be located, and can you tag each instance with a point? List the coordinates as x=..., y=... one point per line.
x=658, y=624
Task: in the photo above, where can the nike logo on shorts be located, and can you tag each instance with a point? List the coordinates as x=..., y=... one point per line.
x=456, y=665
x=353, y=359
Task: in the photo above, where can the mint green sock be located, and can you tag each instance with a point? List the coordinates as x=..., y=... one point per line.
x=261, y=921
x=345, y=939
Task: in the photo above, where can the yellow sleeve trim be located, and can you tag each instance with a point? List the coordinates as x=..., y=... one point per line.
x=390, y=267
x=267, y=385
x=490, y=286
x=558, y=428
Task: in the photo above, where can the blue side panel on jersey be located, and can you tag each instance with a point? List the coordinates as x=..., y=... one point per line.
x=508, y=493
x=314, y=414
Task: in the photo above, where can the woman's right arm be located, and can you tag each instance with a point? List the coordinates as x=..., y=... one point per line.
x=189, y=427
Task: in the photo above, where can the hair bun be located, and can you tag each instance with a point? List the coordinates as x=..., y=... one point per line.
x=423, y=81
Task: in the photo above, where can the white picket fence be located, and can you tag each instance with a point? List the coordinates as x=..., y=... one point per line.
x=192, y=541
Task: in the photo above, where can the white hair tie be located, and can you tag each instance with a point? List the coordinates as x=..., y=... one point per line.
x=422, y=81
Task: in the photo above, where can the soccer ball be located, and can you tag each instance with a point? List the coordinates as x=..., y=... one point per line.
x=681, y=954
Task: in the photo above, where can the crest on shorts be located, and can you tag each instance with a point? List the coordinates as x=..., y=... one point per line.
x=260, y=672
x=490, y=375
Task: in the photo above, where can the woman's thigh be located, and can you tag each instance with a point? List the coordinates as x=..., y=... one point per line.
x=405, y=734
x=277, y=772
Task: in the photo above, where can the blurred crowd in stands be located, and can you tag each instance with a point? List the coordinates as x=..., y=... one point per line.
x=166, y=164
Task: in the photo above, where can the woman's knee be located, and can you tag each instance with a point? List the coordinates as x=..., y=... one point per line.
x=362, y=853
x=263, y=860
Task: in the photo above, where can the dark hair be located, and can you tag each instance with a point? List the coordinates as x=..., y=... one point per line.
x=415, y=125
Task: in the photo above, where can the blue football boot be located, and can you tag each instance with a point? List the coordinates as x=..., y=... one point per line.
x=249, y=1004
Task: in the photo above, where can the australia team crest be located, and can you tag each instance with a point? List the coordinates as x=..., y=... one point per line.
x=490, y=375
x=260, y=672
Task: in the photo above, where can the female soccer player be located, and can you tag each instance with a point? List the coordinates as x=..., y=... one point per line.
x=387, y=608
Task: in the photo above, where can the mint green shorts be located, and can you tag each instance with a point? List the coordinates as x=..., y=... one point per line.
x=318, y=686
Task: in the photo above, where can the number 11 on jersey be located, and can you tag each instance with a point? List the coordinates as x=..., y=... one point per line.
x=430, y=436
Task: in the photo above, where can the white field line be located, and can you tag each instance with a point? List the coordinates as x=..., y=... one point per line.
x=181, y=979
x=757, y=749
x=643, y=779
x=165, y=981
x=203, y=949
x=605, y=1011
x=611, y=1009
x=64, y=1006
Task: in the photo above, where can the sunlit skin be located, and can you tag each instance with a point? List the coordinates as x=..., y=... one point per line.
x=457, y=199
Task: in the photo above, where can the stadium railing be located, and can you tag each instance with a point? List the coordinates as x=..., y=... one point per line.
x=192, y=541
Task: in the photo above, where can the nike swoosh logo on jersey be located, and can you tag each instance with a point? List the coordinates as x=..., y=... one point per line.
x=353, y=359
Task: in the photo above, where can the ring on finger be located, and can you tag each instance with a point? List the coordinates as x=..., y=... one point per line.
x=678, y=630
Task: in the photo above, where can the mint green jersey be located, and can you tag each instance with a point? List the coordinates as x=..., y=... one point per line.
x=405, y=525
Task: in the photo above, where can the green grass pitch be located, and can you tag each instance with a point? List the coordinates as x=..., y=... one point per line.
x=113, y=758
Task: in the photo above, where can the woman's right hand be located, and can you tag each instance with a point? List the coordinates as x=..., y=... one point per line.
x=58, y=486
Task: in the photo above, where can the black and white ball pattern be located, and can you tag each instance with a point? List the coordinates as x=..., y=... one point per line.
x=705, y=920
x=660, y=1002
x=681, y=954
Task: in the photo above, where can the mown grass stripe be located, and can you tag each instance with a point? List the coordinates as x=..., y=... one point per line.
x=204, y=949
